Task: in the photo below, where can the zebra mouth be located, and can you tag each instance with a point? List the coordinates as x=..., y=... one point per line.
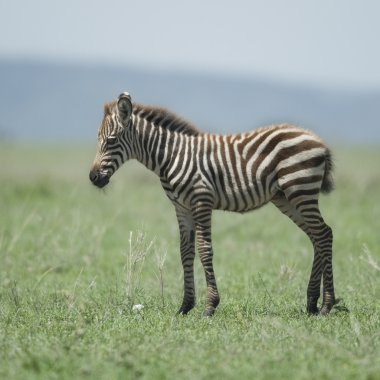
x=99, y=180
x=103, y=181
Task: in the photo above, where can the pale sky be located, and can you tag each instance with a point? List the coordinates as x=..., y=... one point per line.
x=318, y=42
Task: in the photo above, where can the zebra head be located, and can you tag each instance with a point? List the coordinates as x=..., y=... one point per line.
x=114, y=146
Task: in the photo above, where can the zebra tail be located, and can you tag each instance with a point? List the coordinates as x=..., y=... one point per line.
x=327, y=180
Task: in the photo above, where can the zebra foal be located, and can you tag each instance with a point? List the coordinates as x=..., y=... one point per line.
x=200, y=172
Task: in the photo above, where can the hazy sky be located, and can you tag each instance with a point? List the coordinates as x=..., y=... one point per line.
x=316, y=41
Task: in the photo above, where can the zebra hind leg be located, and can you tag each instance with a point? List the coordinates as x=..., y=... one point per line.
x=323, y=242
x=313, y=290
x=323, y=238
x=306, y=214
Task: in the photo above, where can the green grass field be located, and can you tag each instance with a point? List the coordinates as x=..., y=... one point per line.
x=74, y=261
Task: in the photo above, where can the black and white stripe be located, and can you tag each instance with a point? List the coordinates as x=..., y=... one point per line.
x=200, y=172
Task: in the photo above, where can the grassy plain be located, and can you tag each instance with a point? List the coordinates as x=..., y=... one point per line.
x=74, y=260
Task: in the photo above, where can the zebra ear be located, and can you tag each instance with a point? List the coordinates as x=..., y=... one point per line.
x=124, y=107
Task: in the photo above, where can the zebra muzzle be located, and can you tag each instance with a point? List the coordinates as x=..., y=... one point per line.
x=99, y=179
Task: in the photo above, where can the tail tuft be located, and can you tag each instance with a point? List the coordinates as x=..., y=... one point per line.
x=327, y=181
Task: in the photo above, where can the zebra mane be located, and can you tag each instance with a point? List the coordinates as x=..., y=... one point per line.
x=159, y=116
x=165, y=119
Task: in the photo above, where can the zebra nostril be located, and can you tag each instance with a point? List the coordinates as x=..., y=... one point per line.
x=93, y=176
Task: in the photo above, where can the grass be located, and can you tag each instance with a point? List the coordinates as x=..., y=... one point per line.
x=74, y=261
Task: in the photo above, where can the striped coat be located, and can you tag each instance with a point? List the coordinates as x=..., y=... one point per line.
x=200, y=172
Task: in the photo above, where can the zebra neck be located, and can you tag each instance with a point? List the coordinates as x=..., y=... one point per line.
x=155, y=146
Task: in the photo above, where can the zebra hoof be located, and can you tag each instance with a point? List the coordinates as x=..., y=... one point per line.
x=313, y=311
x=325, y=309
x=328, y=303
x=312, y=307
x=209, y=312
x=184, y=309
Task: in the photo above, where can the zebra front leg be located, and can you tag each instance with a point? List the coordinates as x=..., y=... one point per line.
x=187, y=246
x=203, y=228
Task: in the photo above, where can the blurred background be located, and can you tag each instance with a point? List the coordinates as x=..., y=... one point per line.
x=226, y=66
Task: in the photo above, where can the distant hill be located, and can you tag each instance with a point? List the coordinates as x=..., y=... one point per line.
x=52, y=102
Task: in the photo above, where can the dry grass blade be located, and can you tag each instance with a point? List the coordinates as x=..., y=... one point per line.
x=160, y=260
x=369, y=259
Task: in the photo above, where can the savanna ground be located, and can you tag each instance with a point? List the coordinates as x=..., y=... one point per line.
x=74, y=261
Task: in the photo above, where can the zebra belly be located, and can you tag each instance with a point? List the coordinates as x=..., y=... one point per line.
x=244, y=199
x=237, y=199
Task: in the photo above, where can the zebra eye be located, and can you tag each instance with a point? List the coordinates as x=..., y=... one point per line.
x=111, y=140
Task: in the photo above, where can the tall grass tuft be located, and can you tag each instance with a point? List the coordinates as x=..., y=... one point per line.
x=138, y=249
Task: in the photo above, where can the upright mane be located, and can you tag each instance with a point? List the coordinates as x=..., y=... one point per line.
x=165, y=119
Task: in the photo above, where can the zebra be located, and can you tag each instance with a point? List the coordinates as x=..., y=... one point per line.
x=201, y=172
